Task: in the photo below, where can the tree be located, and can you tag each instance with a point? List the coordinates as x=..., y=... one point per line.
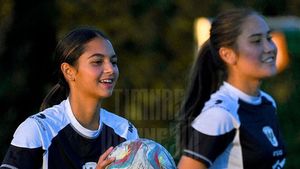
x=25, y=62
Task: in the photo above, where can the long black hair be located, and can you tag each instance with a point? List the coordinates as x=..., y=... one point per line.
x=68, y=50
x=209, y=70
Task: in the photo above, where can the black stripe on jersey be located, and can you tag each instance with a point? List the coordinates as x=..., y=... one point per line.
x=200, y=145
x=66, y=153
x=14, y=154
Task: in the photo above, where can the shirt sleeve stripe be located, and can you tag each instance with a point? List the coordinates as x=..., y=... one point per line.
x=8, y=166
x=198, y=155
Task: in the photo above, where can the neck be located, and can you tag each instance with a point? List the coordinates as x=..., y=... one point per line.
x=86, y=111
x=249, y=87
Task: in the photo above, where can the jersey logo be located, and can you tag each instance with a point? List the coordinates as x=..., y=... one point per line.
x=42, y=116
x=279, y=164
x=267, y=130
x=218, y=101
x=130, y=127
x=38, y=119
x=89, y=165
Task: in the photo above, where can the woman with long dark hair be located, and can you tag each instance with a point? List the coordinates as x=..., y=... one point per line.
x=227, y=121
x=73, y=130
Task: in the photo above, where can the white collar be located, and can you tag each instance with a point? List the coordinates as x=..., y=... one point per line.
x=77, y=126
x=243, y=96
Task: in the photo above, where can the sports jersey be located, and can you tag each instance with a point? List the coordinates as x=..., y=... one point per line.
x=237, y=131
x=54, y=139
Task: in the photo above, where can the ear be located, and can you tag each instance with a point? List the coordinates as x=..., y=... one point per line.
x=228, y=55
x=68, y=71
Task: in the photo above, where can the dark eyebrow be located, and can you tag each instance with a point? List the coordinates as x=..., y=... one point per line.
x=259, y=34
x=101, y=55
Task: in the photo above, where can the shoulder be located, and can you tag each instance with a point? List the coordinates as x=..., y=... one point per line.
x=27, y=134
x=215, y=121
x=120, y=125
x=219, y=114
x=223, y=98
x=38, y=129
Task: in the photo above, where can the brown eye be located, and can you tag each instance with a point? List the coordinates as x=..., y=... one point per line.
x=256, y=41
x=97, y=62
x=114, y=61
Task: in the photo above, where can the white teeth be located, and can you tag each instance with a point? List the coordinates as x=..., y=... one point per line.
x=269, y=60
x=106, y=81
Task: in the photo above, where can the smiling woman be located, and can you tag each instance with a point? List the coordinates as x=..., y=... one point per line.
x=72, y=130
x=227, y=121
x=96, y=72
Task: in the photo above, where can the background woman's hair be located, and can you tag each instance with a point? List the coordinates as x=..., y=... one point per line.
x=209, y=71
x=68, y=50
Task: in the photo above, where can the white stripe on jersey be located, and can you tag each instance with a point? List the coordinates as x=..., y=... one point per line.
x=198, y=155
x=8, y=166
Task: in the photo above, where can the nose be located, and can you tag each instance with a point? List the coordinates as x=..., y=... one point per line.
x=108, y=67
x=269, y=46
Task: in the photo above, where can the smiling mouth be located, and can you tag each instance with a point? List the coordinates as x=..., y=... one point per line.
x=270, y=59
x=106, y=81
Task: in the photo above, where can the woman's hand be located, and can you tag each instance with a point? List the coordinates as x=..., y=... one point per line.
x=104, y=161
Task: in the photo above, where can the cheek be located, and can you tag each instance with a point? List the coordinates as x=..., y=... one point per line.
x=251, y=54
x=91, y=74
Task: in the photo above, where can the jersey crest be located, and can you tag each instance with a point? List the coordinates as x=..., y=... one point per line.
x=89, y=165
x=270, y=135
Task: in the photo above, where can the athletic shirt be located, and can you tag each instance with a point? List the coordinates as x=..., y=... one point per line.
x=54, y=139
x=237, y=131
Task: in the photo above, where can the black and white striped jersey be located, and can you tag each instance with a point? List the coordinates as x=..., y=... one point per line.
x=237, y=131
x=54, y=139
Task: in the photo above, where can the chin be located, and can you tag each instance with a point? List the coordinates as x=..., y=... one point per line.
x=270, y=73
x=106, y=95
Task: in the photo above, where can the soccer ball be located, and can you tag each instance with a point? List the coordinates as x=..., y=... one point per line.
x=141, y=154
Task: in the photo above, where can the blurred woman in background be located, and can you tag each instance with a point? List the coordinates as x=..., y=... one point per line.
x=227, y=120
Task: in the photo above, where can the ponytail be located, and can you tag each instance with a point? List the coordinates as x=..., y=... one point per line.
x=57, y=94
x=205, y=78
x=209, y=71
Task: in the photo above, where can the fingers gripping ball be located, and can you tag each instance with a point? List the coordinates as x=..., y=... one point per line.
x=141, y=154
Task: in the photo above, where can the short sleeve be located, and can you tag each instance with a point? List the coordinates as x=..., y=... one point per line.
x=27, y=134
x=120, y=125
x=214, y=121
x=25, y=151
x=210, y=134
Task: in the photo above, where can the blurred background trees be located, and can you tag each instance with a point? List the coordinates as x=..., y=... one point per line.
x=156, y=46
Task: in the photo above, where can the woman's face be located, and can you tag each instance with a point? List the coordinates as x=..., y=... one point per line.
x=97, y=70
x=255, y=49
